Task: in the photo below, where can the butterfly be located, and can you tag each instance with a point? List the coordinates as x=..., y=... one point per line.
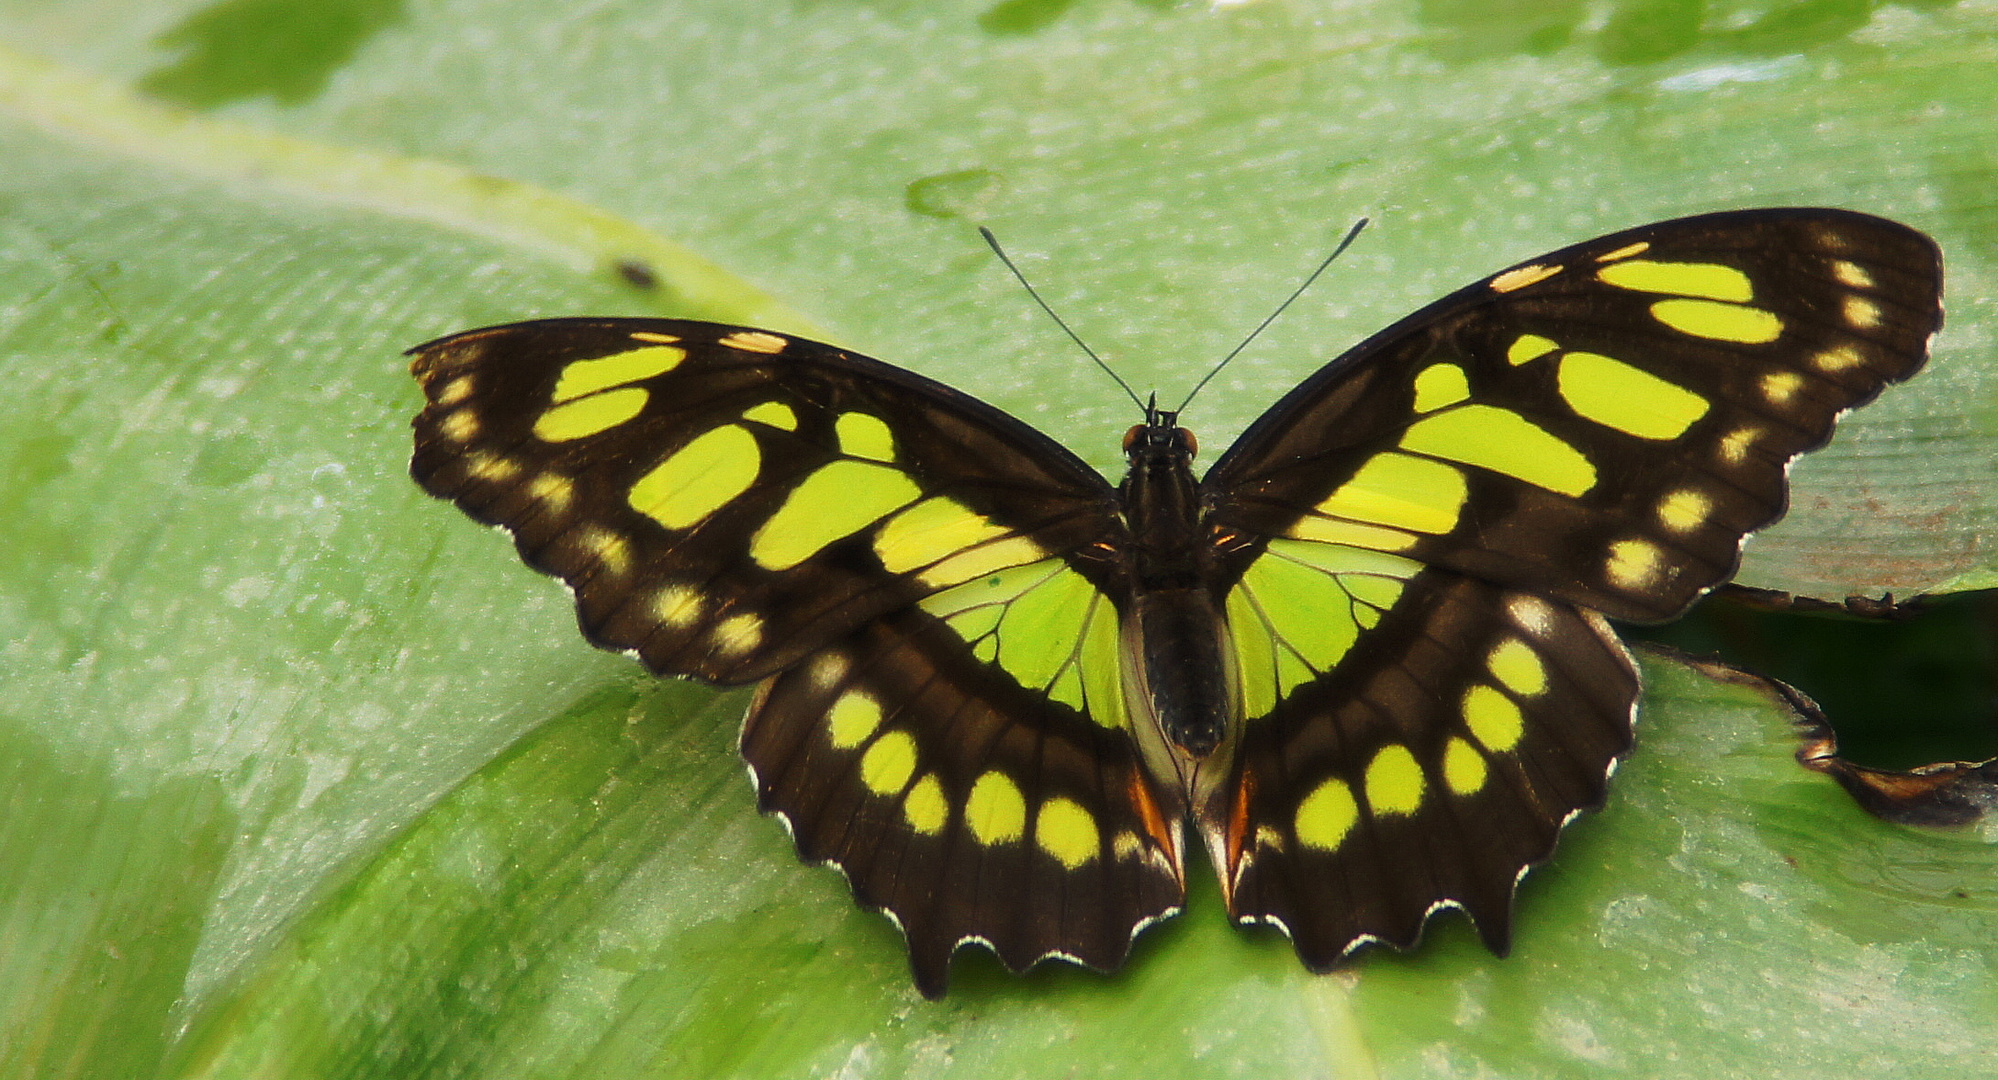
x=1366, y=656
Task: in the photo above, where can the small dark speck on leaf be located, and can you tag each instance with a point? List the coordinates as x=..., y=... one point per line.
x=637, y=273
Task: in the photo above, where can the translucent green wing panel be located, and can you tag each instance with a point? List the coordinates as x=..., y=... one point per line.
x=966, y=805
x=1049, y=628
x=726, y=501
x=1300, y=608
x=1431, y=767
x=1604, y=424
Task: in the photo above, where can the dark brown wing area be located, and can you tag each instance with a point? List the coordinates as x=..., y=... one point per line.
x=1432, y=768
x=967, y=807
x=1603, y=424
x=726, y=501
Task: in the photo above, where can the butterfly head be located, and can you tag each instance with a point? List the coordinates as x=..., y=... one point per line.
x=1159, y=436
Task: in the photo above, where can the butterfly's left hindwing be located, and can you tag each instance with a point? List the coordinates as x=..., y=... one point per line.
x=965, y=804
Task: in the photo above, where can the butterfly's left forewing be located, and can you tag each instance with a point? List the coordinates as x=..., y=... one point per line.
x=917, y=576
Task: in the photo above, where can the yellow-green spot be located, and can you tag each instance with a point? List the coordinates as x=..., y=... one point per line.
x=676, y=605
x=1066, y=831
x=1505, y=442
x=589, y=376
x=1780, y=386
x=1838, y=358
x=995, y=811
x=829, y=669
x=887, y=765
x=697, y=479
x=981, y=560
x=1394, y=781
x=925, y=806
x=1402, y=491
x=590, y=415
x=553, y=489
x=1531, y=614
x=1709, y=280
x=738, y=634
x=1439, y=385
x=1634, y=564
x=611, y=550
x=929, y=532
x=1626, y=251
x=1529, y=347
x=838, y=500
x=1519, y=277
x=1627, y=398
x=756, y=341
x=852, y=719
x=1861, y=313
x=774, y=413
x=490, y=467
x=1518, y=667
x=1683, y=511
x=460, y=426
x=1326, y=816
x=1350, y=533
x=1735, y=445
x=1493, y=718
x=1463, y=767
x=1720, y=322
x=864, y=436
x=1344, y=559
x=1851, y=274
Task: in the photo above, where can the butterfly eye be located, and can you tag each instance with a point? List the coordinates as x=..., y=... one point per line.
x=1131, y=436
x=1186, y=440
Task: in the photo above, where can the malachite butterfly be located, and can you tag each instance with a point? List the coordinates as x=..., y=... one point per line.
x=1366, y=657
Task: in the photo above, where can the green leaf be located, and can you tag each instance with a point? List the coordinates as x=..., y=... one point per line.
x=305, y=775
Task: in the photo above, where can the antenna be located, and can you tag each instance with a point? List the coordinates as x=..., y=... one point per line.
x=1343, y=245
x=1001, y=252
